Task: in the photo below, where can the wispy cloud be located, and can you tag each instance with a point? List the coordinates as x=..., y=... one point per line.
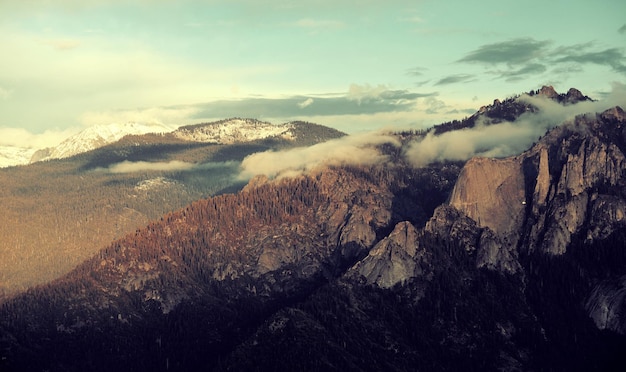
x=530, y=69
x=319, y=24
x=169, y=116
x=307, y=102
x=518, y=59
x=412, y=19
x=612, y=57
x=622, y=30
x=510, y=52
x=417, y=71
x=358, y=100
x=170, y=166
x=140, y=166
x=453, y=79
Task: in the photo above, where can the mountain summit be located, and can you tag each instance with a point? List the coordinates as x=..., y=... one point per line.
x=94, y=137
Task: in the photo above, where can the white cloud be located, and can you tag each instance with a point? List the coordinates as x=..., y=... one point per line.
x=356, y=149
x=305, y=103
x=170, y=166
x=359, y=93
x=20, y=137
x=169, y=116
x=139, y=166
x=507, y=138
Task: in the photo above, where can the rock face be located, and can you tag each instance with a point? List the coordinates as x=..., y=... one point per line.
x=491, y=192
x=567, y=191
x=606, y=305
x=395, y=259
x=548, y=189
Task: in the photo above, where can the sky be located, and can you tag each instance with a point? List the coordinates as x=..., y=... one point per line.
x=352, y=65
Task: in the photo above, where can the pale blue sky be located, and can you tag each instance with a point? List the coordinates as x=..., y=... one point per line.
x=353, y=65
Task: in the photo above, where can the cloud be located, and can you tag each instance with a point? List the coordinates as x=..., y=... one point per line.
x=380, y=93
x=526, y=57
x=20, y=137
x=357, y=149
x=622, y=30
x=168, y=116
x=435, y=106
x=171, y=166
x=365, y=92
x=531, y=69
x=507, y=138
x=612, y=57
x=318, y=24
x=511, y=52
x=142, y=166
x=305, y=103
x=412, y=19
x=359, y=100
x=452, y=79
x=416, y=71
x=503, y=139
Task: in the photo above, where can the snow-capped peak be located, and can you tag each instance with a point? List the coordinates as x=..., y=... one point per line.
x=13, y=155
x=233, y=130
x=101, y=135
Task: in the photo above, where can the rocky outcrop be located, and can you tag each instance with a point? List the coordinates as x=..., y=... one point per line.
x=548, y=91
x=574, y=95
x=606, y=305
x=395, y=259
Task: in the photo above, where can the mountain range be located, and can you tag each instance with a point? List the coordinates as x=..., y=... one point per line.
x=385, y=262
x=228, y=131
x=58, y=212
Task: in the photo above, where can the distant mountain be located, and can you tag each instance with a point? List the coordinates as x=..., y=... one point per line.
x=511, y=108
x=227, y=131
x=96, y=136
x=57, y=213
x=232, y=131
x=508, y=264
x=11, y=156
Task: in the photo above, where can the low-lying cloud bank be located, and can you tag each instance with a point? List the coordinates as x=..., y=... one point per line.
x=170, y=166
x=507, y=138
x=499, y=140
x=359, y=149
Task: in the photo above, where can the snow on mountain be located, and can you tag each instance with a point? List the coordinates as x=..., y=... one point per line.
x=224, y=132
x=233, y=130
x=13, y=155
x=100, y=135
